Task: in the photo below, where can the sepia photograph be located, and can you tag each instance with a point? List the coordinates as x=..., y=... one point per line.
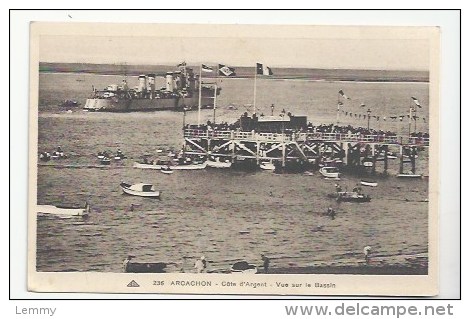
x=233, y=159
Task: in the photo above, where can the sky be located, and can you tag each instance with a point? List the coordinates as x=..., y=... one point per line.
x=283, y=49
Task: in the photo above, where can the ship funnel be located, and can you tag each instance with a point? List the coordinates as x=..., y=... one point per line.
x=151, y=84
x=169, y=82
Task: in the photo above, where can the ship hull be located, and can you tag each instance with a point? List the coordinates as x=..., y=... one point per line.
x=139, y=105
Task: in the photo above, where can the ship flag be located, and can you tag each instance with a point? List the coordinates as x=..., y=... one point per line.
x=226, y=70
x=206, y=68
x=262, y=69
x=340, y=92
x=416, y=101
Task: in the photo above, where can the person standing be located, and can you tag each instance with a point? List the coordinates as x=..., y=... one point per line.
x=366, y=251
x=265, y=263
x=200, y=265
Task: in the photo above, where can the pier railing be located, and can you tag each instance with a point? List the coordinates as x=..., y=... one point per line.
x=306, y=136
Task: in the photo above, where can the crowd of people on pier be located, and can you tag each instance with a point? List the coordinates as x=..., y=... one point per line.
x=310, y=128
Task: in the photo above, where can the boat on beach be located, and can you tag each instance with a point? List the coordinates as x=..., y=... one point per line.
x=140, y=189
x=243, y=267
x=369, y=183
x=330, y=172
x=63, y=210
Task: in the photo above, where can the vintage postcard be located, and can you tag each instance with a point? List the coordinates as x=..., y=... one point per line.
x=233, y=159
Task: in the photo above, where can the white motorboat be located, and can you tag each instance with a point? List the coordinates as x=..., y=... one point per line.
x=242, y=267
x=140, y=189
x=369, y=183
x=63, y=210
x=173, y=167
x=218, y=164
x=330, y=172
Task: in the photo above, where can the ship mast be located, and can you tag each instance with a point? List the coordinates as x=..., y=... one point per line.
x=200, y=96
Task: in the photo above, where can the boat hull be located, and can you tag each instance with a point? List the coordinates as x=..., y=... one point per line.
x=214, y=164
x=172, y=167
x=63, y=211
x=142, y=267
x=409, y=176
x=128, y=191
x=327, y=174
x=369, y=183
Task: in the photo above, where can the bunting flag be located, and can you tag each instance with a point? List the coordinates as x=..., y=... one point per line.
x=181, y=64
x=262, y=69
x=206, y=68
x=363, y=105
x=340, y=103
x=226, y=70
x=416, y=101
x=340, y=92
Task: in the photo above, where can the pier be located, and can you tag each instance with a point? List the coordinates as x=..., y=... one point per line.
x=352, y=150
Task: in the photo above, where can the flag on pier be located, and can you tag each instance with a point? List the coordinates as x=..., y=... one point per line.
x=206, y=68
x=262, y=69
x=226, y=70
x=340, y=92
x=416, y=102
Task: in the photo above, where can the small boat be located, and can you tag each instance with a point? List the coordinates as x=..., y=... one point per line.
x=409, y=176
x=367, y=162
x=143, y=267
x=330, y=172
x=63, y=210
x=105, y=161
x=369, y=183
x=353, y=197
x=44, y=156
x=268, y=166
x=69, y=103
x=173, y=167
x=242, y=267
x=102, y=155
x=140, y=189
x=166, y=170
x=218, y=164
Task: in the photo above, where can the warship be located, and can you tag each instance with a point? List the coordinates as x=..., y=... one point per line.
x=181, y=92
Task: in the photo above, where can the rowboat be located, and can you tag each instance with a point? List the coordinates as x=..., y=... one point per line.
x=173, y=167
x=409, y=176
x=353, y=197
x=268, y=166
x=330, y=172
x=218, y=164
x=140, y=189
x=242, y=267
x=166, y=170
x=63, y=210
x=143, y=267
x=369, y=183
x=105, y=161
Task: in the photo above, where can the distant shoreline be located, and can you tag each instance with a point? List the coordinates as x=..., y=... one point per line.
x=349, y=75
